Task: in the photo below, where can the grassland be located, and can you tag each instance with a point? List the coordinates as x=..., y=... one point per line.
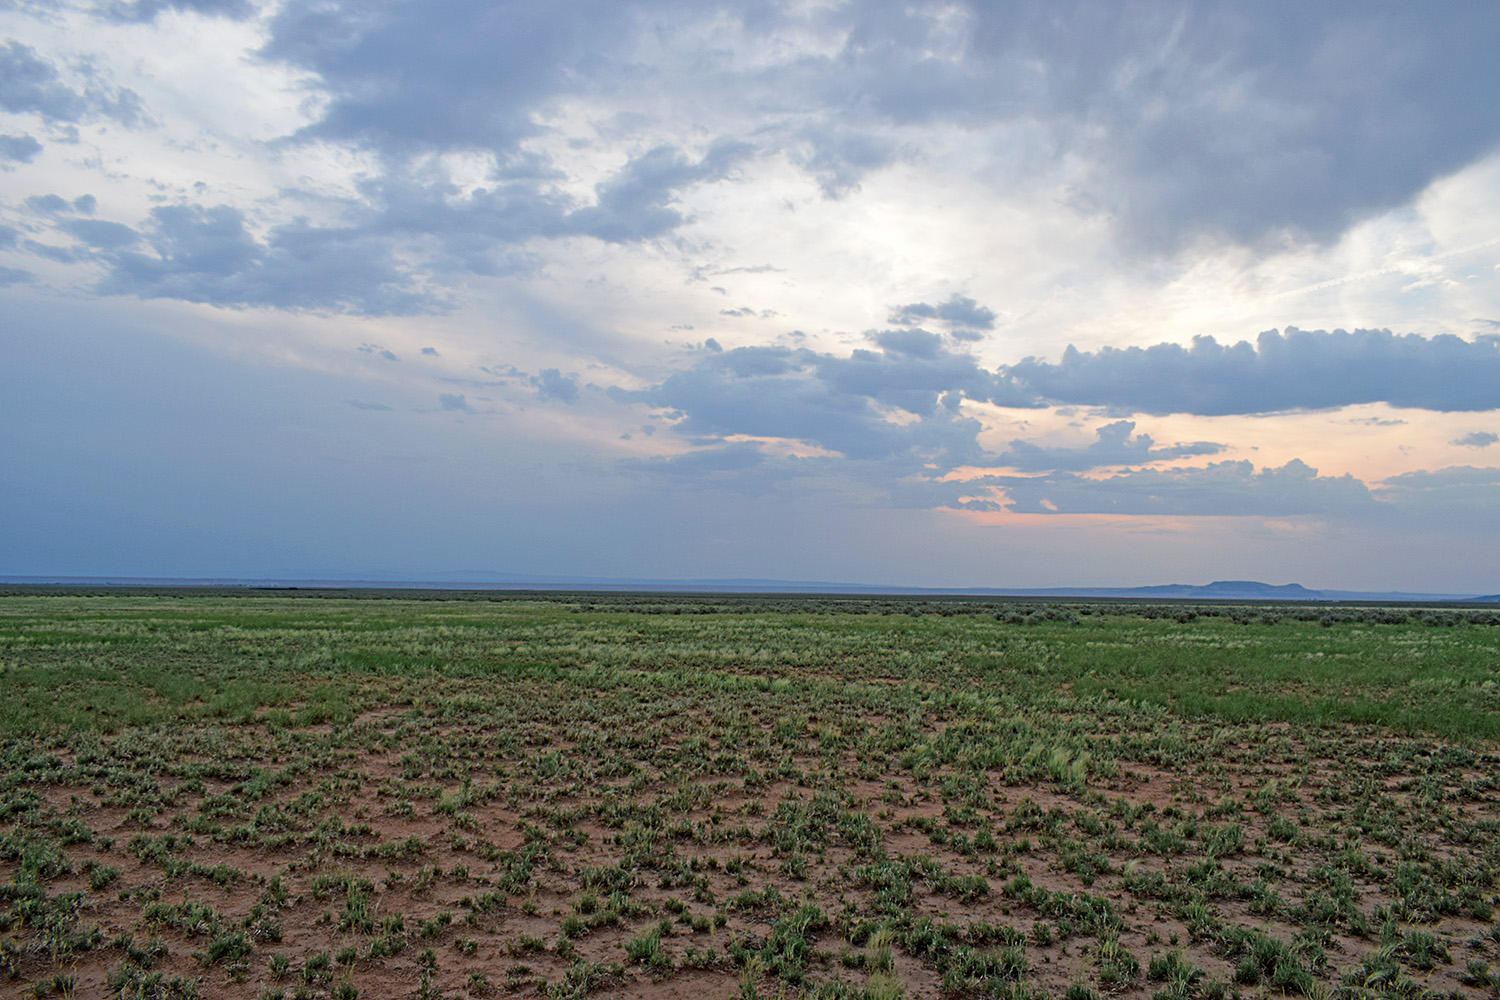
x=322, y=795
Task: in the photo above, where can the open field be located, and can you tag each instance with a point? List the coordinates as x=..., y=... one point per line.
x=302, y=795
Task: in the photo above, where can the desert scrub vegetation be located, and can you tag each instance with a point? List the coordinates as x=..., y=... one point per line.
x=335, y=794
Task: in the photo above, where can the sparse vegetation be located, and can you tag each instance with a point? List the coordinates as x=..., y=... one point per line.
x=336, y=795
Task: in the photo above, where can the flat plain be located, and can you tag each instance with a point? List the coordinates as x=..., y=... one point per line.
x=310, y=794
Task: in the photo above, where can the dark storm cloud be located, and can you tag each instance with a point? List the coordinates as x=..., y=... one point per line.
x=1238, y=119
x=1297, y=370
x=1219, y=118
x=19, y=148
x=1220, y=489
x=1212, y=118
x=1115, y=446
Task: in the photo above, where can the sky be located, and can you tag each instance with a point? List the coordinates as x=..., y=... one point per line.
x=922, y=294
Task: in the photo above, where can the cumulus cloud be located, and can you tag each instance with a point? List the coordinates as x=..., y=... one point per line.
x=48, y=204
x=373, y=264
x=100, y=234
x=910, y=343
x=206, y=254
x=958, y=310
x=1291, y=371
x=844, y=404
x=634, y=204
x=149, y=10
x=454, y=402
x=443, y=74
x=31, y=84
x=1220, y=489
x=553, y=384
x=1477, y=439
x=1114, y=446
x=1456, y=496
x=19, y=148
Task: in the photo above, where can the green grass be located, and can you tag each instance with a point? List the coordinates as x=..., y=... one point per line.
x=321, y=793
x=103, y=663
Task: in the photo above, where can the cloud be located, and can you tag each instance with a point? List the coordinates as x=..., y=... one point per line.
x=1455, y=496
x=843, y=404
x=31, y=84
x=910, y=343
x=553, y=384
x=100, y=234
x=48, y=204
x=1196, y=118
x=1477, y=439
x=28, y=83
x=442, y=74
x=19, y=148
x=206, y=254
x=149, y=10
x=454, y=402
x=634, y=205
x=729, y=458
x=1220, y=489
x=430, y=352
x=957, y=311
x=13, y=276
x=1297, y=370
x=1178, y=122
x=360, y=404
x=1114, y=446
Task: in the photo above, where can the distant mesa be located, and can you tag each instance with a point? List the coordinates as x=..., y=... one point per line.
x=1253, y=588
x=1238, y=590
